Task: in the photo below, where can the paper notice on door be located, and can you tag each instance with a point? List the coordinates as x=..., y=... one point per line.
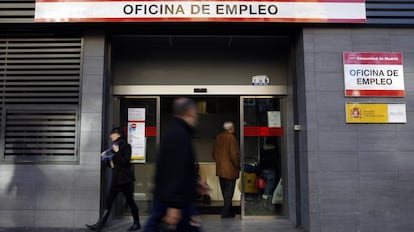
x=136, y=138
x=273, y=119
x=136, y=134
x=136, y=114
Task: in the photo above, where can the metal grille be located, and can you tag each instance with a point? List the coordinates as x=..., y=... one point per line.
x=17, y=11
x=40, y=70
x=1, y=127
x=40, y=133
x=390, y=12
x=39, y=96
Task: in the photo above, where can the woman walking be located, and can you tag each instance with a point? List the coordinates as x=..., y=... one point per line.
x=118, y=159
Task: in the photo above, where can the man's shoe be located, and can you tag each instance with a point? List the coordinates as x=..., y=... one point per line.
x=228, y=215
x=134, y=227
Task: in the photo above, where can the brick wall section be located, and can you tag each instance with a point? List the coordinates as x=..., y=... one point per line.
x=360, y=177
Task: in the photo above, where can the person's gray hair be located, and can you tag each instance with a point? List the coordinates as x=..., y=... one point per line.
x=227, y=125
x=182, y=105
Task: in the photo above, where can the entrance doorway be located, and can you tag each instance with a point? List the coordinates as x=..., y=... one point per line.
x=259, y=130
x=217, y=72
x=262, y=155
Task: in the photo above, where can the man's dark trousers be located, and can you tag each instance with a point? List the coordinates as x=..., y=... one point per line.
x=227, y=189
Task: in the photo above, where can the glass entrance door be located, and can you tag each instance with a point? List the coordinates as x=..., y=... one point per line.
x=140, y=118
x=261, y=150
x=213, y=111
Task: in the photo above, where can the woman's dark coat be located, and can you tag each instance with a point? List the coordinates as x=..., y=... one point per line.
x=122, y=173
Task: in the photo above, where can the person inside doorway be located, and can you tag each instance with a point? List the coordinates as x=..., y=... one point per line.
x=118, y=158
x=267, y=168
x=226, y=153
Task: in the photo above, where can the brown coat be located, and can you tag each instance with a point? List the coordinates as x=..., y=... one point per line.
x=227, y=156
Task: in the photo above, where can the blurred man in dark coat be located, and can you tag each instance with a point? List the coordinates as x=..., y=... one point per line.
x=175, y=175
x=227, y=156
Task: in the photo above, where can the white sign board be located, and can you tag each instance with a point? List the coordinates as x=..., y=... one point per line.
x=293, y=11
x=373, y=74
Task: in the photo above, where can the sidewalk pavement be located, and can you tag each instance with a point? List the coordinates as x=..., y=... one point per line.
x=210, y=223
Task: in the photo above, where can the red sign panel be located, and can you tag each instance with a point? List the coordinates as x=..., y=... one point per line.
x=263, y=131
x=384, y=58
x=150, y=131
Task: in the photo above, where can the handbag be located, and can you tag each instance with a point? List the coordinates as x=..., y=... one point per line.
x=261, y=183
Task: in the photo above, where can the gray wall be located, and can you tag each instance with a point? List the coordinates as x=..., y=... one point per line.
x=62, y=195
x=360, y=177
x=198, y=60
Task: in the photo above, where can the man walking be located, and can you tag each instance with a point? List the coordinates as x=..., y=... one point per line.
x=227, y=156
x=175, y=175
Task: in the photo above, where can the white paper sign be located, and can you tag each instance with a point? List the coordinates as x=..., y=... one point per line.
x=273, y=118
x=136, y=114
x=136, y=134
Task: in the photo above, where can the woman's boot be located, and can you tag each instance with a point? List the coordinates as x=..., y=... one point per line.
x=136, y=226
x=135, y=214
x=101, y=222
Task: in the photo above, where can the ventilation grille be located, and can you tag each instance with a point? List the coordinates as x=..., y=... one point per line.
x=40, y=70
x=1, y=126
x=390, y=12
x=17, y=11
x=39, y=96
x=40, y=133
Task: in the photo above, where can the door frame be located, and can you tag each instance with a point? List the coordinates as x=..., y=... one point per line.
x=117, y=107
x=116, y=120
x=188, y=90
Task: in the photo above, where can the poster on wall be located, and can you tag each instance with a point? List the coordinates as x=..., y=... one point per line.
x=308, y=11
x=136, y=134
x=373, y=74
x=376, y=113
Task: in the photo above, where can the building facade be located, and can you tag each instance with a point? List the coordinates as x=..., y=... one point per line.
x=66, y=84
